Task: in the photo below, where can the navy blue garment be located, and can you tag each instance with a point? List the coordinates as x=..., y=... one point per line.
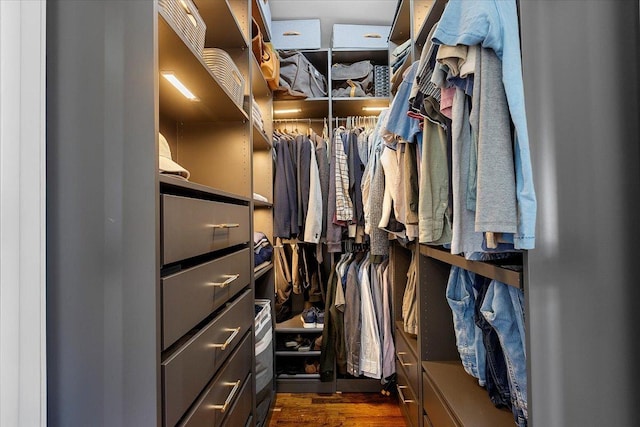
x=496, y=366
x=303, y=168
x=285, y=206
x=356, y=169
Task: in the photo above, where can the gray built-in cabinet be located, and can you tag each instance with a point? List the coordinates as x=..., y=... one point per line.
x=150, y=278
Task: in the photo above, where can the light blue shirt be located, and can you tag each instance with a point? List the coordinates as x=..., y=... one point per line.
x=494, y=24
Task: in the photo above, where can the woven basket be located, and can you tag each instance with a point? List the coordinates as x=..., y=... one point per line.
x=185, y=18
x=226, y=72
x=381, y=80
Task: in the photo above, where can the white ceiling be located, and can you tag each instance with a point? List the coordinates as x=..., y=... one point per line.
x=375, y=12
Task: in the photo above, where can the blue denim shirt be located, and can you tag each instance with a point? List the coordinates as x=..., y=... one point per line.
x=494, y=24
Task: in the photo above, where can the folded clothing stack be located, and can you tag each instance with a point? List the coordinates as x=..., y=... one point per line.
x=262, y=248
x=257, y=114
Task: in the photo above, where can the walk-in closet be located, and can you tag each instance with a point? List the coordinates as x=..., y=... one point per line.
x=326, y=212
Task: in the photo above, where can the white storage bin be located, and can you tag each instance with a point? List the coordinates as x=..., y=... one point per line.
x=296, y=34
x=349, y=36
x=264, y=345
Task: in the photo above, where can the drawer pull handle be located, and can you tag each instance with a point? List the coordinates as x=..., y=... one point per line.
x=230, y=278
x=402, y=398
x=224, y=345
x=225, y=225
x=229, y=398
x=402, y=362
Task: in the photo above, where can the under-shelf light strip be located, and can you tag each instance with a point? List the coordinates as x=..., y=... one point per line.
x=171, y=78
x=288, y=111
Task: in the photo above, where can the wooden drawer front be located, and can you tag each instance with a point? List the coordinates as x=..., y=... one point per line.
x=190, y=368
x=434, y=407
x=407, y=400
x=193, y=227
x=241, y=409
x=191, y=295
x=406, y=360
x=227, y=388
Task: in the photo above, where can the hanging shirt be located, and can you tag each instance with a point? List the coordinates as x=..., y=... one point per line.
x=370, y=354
x=313, y=223
x=344, y=205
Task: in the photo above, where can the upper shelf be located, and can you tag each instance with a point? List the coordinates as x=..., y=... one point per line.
x=348, y=56
x=223, y=29
x=509, y=276
x=176, y=56
x=343, y=107
x=307, y=108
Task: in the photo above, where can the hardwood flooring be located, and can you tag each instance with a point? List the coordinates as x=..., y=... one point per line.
x=336, y=410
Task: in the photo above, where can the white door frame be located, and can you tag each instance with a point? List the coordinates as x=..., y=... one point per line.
x=23, y=372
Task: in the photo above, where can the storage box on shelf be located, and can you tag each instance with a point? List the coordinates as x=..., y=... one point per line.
x=183, y=16
x=349, y=36
x=296, y=34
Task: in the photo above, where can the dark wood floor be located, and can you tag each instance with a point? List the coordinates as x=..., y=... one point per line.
x=335, y=410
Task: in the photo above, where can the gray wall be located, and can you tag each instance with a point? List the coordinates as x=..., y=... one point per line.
x=581, y=73
x=101, y=207
x=374, y=12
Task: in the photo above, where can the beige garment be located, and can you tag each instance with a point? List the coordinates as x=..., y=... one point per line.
x=468, y=67
x=452, y=57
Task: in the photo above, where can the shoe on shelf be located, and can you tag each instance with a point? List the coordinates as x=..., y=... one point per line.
x=294, y=342
x=311, y=367
x=317, y=343
x=305, y=346
x=319, y=319
x=308, y=317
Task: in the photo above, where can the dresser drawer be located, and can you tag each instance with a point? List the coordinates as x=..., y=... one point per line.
x=192, y=227
x=191, y=295
x=187, y=371
x=434, y=407
x=407, y=400
x=225, y=392
x=241, y=409
x=406, y=360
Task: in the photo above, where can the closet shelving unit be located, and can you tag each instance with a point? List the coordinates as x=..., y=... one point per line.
x=229, y=157
x=306, y=113
x=433, y=388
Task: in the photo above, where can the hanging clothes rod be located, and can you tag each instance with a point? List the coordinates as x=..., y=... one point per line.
x=303, y=121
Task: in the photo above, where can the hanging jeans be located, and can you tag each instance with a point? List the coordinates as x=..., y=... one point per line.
x=502, y=308
x=496, y=366
x=461, y=299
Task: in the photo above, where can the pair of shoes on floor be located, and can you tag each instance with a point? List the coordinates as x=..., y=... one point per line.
x=311, y=366
x=312, y=318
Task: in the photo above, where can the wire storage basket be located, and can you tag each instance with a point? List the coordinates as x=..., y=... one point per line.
x=226, y=72
x=381, y=80
x=185, y=18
